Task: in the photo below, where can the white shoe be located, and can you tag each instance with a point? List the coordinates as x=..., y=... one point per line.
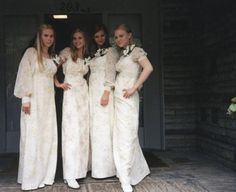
x=42, y=185
x=72, y=183
x=126, y=187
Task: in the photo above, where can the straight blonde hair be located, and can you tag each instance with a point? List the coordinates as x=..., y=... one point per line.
x=39, y=44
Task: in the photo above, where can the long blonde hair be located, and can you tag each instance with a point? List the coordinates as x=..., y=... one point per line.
x=85, y=51
x=39, y=47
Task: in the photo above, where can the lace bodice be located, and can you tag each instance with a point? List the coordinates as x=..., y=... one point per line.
x=104, y=66
x=128, y=65
x=71, y=68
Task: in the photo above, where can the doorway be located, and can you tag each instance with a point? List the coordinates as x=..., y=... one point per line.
x=63, y=29
x=151, y=131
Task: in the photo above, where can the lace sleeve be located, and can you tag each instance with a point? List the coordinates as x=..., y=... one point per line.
x=138, y=54
x=64, y=54
x=110, y=70
x=24, y=79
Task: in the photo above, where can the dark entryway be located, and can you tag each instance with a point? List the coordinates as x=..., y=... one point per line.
x=64, y=29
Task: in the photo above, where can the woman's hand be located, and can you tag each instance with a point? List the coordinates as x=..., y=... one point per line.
x=26, y=108
x=129, y=92
x=105, y=98
x=59, y=60
x=64, y=86
x=62, y=60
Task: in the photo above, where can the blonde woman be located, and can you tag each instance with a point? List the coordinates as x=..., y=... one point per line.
x=35, y=86
x=75, y=117
x=133, y=69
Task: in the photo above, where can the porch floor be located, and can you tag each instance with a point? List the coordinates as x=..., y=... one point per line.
x=170, y=172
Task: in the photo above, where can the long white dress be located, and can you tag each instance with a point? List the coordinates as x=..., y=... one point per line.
x=75, y=119
x=129, y=160
x=102, y=78
x=38, y=140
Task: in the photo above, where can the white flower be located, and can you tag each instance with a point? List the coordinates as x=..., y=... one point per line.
x=128, y=49
x=86, y=60
x=132, y=46
x=56, y=59
x=104, y=51
x=97, y=54
x=232, y=108
x=101, y=52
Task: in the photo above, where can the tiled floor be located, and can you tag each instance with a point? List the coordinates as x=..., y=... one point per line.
x=170, y=172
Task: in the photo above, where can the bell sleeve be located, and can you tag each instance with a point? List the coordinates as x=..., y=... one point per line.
x=24, y=80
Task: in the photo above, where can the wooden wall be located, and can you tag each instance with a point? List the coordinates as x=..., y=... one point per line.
x=216, y=80
x=179, y=74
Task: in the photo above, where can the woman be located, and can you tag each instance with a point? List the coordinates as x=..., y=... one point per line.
x=133, y=69
x=75, y=117
x=35, y=86
x=101, y=84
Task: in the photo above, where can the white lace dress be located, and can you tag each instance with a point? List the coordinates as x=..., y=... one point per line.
x=38, y=140
x=75, y=119
x=102, y=78
x=129, y=160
